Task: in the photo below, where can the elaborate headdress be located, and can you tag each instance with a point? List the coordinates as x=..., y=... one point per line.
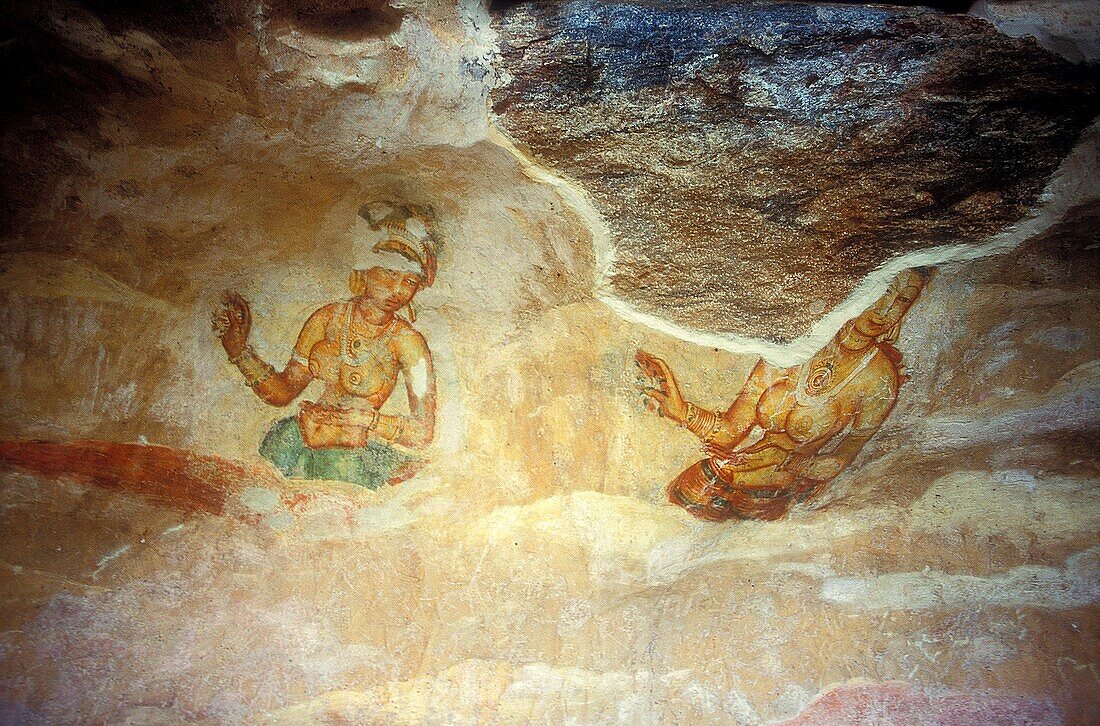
x=407, y=234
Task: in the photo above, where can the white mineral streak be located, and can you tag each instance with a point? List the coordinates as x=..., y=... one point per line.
x=418, y=378
x=1070, y=28
x=1076, y=585
x=1075, y=182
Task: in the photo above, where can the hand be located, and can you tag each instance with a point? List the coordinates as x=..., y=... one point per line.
x=660, y=387
x=340, y=417
x=824, y=468
x=232, y=323
x=724, y=458
x=797, y=463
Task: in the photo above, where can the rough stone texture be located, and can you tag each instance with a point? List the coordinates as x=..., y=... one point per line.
x=754, y=161
x=532, y=571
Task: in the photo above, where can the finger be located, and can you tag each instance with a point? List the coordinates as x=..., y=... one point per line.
x=234, y=299
x=663, y=367
x=644, y=360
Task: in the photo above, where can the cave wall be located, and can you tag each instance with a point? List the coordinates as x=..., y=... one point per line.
x=711, y=182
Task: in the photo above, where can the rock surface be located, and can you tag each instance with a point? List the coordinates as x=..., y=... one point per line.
x=754, y=161
x=532, y=572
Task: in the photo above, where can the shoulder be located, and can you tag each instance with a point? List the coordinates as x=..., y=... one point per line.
x=408, y=339
x=883, y=366
x=316, y=325
x=324, y=316
x=766, y=374
x=325, y=313
x=880, y=378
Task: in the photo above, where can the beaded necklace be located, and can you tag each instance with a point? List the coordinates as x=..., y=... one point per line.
x=374, y=348
x=812, y=382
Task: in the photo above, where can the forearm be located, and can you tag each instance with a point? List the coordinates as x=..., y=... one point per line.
x=411, y=431
x=823, y=467
x=277, y=390
x=766, y=457
x=728, y=429
x=273, y=387
x=701, y=422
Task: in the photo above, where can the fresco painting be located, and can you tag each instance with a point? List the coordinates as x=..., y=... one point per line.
x=809, y=421
x=550, y=362
x=357, y=347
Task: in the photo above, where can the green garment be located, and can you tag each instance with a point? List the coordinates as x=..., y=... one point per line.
x=371, y=466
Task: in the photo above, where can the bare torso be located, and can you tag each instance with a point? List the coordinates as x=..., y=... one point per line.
x=358, y=362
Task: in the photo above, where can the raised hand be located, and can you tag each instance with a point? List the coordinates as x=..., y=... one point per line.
x=660, y=387
x=232, y=323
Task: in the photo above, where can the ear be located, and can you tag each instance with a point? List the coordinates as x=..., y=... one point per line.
x=357, y=283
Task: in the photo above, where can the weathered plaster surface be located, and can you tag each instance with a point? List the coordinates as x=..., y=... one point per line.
x=532, y=572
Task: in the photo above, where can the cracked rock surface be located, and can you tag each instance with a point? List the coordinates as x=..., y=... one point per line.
x=754, y=161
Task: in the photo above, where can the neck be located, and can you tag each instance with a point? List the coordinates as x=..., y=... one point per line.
x=371, y=313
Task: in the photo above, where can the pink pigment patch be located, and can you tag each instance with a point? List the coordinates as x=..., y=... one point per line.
x=905, y=704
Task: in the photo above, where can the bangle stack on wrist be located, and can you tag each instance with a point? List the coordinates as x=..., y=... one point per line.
x=387, y=428
x=252, y=367
x=701, y=422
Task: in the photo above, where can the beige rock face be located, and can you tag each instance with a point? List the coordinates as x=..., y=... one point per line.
x=532, y=571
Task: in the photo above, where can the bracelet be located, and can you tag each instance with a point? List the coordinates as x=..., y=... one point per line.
x=701, y=422
x=252, y=367
x=394, y=423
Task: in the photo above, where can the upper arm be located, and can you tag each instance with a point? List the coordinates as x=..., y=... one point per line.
x=877, y=403
x=419, y=374
x=312, y=333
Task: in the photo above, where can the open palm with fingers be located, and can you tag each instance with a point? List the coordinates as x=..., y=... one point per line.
x=660, y=386
x=232, y=323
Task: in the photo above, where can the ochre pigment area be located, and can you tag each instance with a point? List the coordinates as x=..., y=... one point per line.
x=445, y=183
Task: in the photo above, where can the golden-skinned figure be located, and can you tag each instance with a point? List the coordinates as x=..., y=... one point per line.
x=790, y=431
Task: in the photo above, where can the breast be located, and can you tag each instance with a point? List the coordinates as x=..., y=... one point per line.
x=324, y=361
x=780, y=411
x=815, y=420
x=371, y=377
x=773, y=406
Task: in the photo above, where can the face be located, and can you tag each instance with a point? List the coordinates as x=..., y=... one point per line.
x=891, y=307
x=390, y=290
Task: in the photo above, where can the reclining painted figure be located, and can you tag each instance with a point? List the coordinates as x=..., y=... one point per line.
x=357, y=348
x=791, y=430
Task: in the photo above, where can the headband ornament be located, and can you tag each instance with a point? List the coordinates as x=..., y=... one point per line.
x=407, y=234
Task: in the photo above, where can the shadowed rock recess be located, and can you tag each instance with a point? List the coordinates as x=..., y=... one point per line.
x=754, y=161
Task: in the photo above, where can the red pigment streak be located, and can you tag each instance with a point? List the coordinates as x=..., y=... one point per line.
x=904, y=703
x=180, y=479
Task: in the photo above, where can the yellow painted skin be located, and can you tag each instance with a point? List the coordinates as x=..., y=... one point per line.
x=346, y=414
x=799, y=427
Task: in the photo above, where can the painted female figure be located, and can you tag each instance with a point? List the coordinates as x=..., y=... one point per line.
x=791, y=430
x=357, y=348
